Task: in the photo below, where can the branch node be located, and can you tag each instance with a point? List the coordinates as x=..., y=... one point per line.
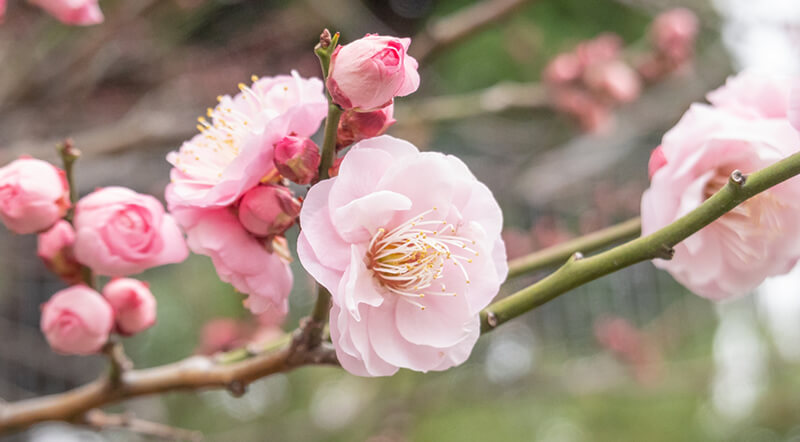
x=491, y=319
x=236, y=388
x=738, y=178
x=577, y=256
x=665, y=252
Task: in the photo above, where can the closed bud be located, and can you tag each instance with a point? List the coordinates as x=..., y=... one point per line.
x=356, y=126
x=77, y=321
x=55, y=250
x=268, y=210
x=297, y=158
x=133, y=303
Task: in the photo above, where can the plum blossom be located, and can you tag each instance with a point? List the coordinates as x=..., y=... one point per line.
x=54, y=248
x=368, y=73
x=72, y=12
x=120, y=232
x=77, y=321
x=34, y=194
x=133, y=303
x=745, y=129
x=409, y=246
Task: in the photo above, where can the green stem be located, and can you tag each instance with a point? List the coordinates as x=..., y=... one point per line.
x=329, y=140
x=578, y=270
x=559, y=253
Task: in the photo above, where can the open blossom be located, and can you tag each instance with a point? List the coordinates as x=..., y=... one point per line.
x=133, y=303
x=409, y=246
x=77, y=320
x=120, y=232
x=252, y=266
x=234, y=150
x=72, y=12
x=55, y=250
x=33, y=195
x=757, y=239
x=368, y=73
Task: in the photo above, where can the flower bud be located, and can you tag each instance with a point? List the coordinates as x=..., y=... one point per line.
x=297, y=158
x=33, y=195
x=564, y=68
x=674, y=32
x=77, y=321
x=356, y=126
x=614, y=80
x=368, y=73
x=133, y=303
x=72, y=12
x=268, y=210
x=55, y=250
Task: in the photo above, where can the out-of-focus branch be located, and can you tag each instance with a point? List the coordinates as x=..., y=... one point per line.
x=103, y=421
x=579, y=270
x=461, y=25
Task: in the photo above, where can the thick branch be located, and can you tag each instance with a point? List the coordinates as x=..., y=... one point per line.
x=559, y=253
x=579, y=270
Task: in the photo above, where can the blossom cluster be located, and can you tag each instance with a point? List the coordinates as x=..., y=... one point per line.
x=590, y=81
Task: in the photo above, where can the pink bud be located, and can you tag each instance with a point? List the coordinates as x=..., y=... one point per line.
x=77, y=321
x=603, y=48
x=33, y=195
x=2, y=10
x=564, y=68
x=297, y=158
x=674, y=32
x=614, y=80
x=368, y=73
x=55, y=250
x=268, y=210
x=356, y=126
x=72, y=12
x=657, y=161
x=133, y=303
x=221, y=334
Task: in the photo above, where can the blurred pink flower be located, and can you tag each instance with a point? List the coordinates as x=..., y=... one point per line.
x=33, y=195
x=55, y=250
x=268, y=210
x=297, y=159
x=368, y=73
x=564, y=68
x=409, y=246
x=356, y=126
x=615, y=80
x=77, y=320
x=657, y=161
x=234, y=151
x=120, y=232
x=133, y=303
x=72, y=12
x=754, y=95
x=674, y=33
x=632, y=346
x=760, y=237
x=794, y=106
x=254, y=267
x=2, y=10
x=222, y=334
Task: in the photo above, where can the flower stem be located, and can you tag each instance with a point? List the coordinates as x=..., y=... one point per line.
x=329, y=140
x=579, y=270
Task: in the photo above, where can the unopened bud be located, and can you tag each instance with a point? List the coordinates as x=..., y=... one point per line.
x=268, y=210
x=55, y=250
x=297, y=159
x=356, y=126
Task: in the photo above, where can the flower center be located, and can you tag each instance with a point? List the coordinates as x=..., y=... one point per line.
x=409, y=259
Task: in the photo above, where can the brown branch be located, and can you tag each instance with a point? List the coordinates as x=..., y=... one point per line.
x=461, y=25
x=126, y=421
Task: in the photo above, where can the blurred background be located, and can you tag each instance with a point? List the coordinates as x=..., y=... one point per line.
x=632, y=356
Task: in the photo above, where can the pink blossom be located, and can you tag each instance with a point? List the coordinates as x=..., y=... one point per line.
x=72, y=12
x=674, y=32
x=2, y=10
x=55, y=250
x=794, y=107
x=268, y=210
x=754, y=95
x=234, y=150
x=222, y=334
x=564, y=68
x=615, y=80
x=657, y=161
x=409, y=246
x=121, y=232
x=254, y=266
x=77, y=320
x=356, y=126
x=368, y=73
x=759, y=238
x=133, y=303
x=33, y=195
x=297, y=159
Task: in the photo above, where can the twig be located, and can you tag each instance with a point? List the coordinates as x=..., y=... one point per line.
x=127, y=421
x=585, y=244
x=462, y=24
x=118, y=361
x=579, y=270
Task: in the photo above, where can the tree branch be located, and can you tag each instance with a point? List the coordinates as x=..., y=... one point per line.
x=126, y=421
x=579, y=270
x=585, y=244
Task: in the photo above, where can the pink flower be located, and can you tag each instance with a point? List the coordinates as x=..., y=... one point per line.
x=754, y=95
x=77, y=321
x=55, y=250
x=33, y=195
x=234, y=151
x=297, y=159
x=657, y=161
x=121, y=232
x=409, y=246
x=614, y=80
x=761, y=237
x=368, y=73
x=253, y=266
x=564, y=68
x=2, y=10
x=674, y=32
x=268, y=210
x=72, y=12
x=133, y=303
x=356, y=126
x=794, y=107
